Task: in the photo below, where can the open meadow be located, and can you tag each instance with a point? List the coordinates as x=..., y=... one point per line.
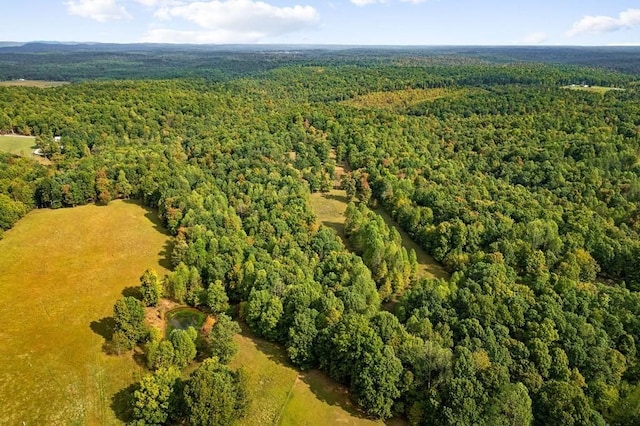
x=61, y=271
x=22, y=146
x=593, y=89
x=18, y=145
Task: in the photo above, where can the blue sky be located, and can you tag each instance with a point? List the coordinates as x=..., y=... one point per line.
x=390, y=22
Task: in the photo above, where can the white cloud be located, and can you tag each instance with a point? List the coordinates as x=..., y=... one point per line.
x=98, y=10
x=148, y=3
x=233, y=21
x=165, y=35
x=604, y=24
x=535, y=38
x=366, y=2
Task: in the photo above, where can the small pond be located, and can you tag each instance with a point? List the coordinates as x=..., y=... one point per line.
x=183, y=318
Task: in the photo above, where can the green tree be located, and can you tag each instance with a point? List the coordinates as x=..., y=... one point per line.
x=221, y=344
x=512, y=406
x=217, y=299
x=128, y=314
x=160, y=354
x=214, y=395
x=263, y=312
x=184, y=347
x=157, y=400
x=562, y=403
x=375, y=381
x=150, y=288
x=302, y=338
x=122, y=187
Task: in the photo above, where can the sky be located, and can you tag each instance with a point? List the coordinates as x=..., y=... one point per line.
x=347, y=22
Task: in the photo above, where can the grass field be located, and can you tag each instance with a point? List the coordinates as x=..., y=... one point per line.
x=595, y=89
x=18, y=145
x=405, y=98
x=330, y=208
x=33, y=83
x=61, y=271
x=21, y=145
x=282, y=395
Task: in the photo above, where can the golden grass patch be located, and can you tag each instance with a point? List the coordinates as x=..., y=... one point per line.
x=42, y=84
x=282, y=395
x=61, y=271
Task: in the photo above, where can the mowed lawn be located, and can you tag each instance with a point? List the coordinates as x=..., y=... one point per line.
x=280, y=394
x=330, y=208
x=61, y=271
x=594, y=89
x=18, y=145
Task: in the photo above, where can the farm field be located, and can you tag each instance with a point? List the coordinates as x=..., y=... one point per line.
x=62, y=271
x=282, y=395
x=42, y=84
x=18, y=145
x=21, y=145
x=595, y=89
x=330, y=208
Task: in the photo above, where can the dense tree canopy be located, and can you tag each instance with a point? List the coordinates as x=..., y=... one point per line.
x=526, y=191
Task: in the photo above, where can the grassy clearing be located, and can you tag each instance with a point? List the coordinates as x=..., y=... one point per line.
x=42, y=84
x=330, y=208
x=61, y=272
x=22, y=146
x=281, y=395
x=594, y=89
x=18, y=145
x=400, y=99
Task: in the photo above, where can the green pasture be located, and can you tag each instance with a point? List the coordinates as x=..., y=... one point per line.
x=18, y=145
x=282, y=395
x=594, y=89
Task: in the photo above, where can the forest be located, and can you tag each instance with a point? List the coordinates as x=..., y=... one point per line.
x=526, y=191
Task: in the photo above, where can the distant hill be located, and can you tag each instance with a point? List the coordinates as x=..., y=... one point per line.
x=88, y=61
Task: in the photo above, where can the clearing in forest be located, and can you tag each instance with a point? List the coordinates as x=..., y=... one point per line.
x=282, y=395
x=61, y=271
x=22, y=146
x=42, y=84
x=330, y=208
x=595, y=89
x=400, y=99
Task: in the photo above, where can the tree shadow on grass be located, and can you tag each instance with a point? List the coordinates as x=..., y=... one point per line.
x=139, y=357
x=331, y=392
x=165, y=255
x=104, y=327
x=322, y=386
x=133, y=291
x=273, y=351
x=337, y=197
x=122, y=403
